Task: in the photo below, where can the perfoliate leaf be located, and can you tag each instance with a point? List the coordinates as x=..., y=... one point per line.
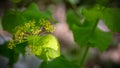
x=49, y=53
x=45, y=47
x=49, y=41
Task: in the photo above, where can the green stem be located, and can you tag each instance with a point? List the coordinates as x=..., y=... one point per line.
x=85, y=51
x=11, y=59
x=95, y=25
x=10, y=66
x=84, y=55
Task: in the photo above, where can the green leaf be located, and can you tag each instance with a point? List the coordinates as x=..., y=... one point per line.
x=33, y=13
x=81, y=35
x=49, y=53
x=92, y=13
x=51, y=48
x=33, y=7
x=111, y=17
x=11, y=19
x=100, y=39
x=45, y=47
x=87, y=33
x=72, y=19
x=49, y=41
x=59, y=62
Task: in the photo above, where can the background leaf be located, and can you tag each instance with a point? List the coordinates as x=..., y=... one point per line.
x=87, y=33
x=33, y=13
x=111, y=17
x=11, y=19
x=59, y=62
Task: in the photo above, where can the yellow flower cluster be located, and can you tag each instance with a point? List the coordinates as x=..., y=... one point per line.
x=28, y=29
x=47, y=25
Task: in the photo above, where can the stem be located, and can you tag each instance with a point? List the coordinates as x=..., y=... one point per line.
x=85, y=51
x=11, y=59
x=95, y=25
x=10, y=66
x=84, y=55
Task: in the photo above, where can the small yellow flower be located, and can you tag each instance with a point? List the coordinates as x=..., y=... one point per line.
x=11, y=44
x=47, y=25
x=35, y=32
x=27, y=25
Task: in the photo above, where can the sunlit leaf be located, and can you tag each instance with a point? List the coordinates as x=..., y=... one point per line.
x=45, y=47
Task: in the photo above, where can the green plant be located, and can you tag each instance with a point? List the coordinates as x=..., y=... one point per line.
x=83, y=23
x=32, y=32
